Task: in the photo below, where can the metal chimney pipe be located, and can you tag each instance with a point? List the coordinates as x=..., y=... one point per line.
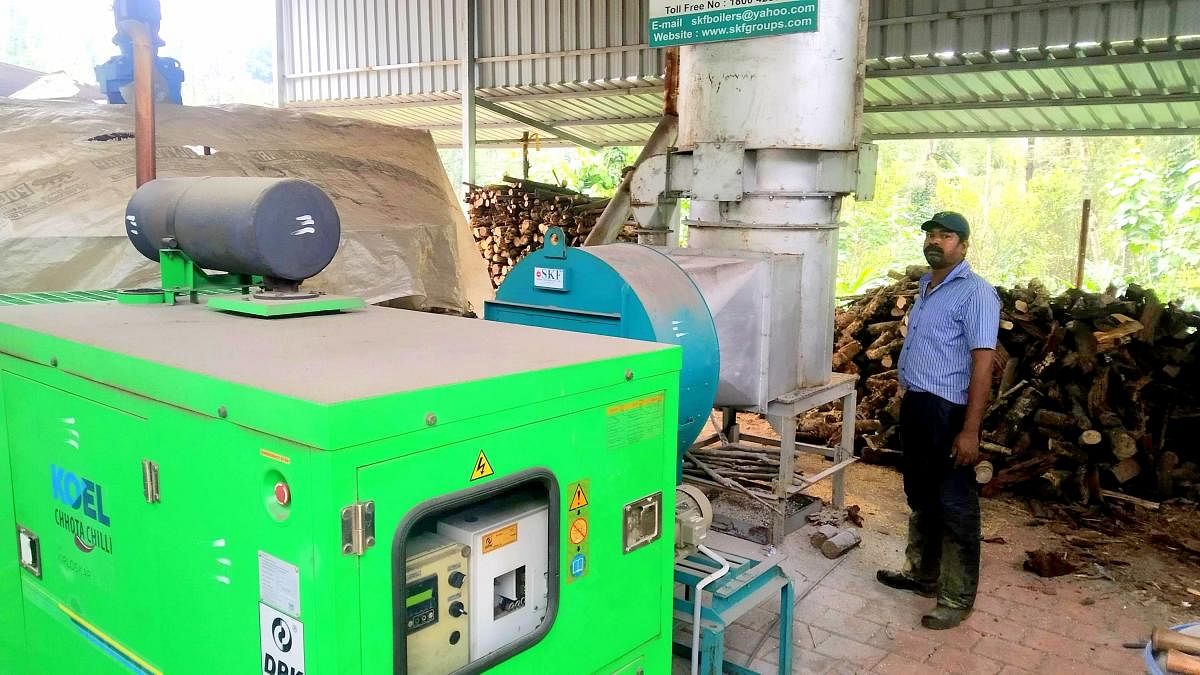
x=774, y=124
x=610, y=222
x=143, y=99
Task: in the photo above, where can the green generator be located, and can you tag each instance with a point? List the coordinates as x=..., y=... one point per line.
x=192, y=487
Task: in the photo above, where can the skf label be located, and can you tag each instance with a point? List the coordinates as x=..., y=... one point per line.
x=549, y=277
x=282, y=642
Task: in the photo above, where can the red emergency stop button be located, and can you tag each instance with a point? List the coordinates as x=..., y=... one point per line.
x=283, y=494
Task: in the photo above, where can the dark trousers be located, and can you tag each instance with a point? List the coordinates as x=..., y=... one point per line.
x=944, y=529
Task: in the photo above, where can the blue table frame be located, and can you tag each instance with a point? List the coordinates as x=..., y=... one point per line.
x=746, y=585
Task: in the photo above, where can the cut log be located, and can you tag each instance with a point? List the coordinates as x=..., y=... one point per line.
x=845, y=354
x=1123, y=445
x=1149, y=319
x=995, y=449
x=1167, y=462
x=837, y=545
x=882, y=327
x=1106, y=339
x=1018, y=473
x=879, y=352
x=1126, y=470
x=1051, y=418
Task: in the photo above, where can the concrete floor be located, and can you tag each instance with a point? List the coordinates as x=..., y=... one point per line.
x=845, y=622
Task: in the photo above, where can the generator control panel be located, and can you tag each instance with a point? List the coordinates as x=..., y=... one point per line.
x=508, y=559
x=437, y=583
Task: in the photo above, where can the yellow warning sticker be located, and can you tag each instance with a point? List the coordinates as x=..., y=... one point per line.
x=635, y=404
x=500, y=538
x=578, y=531
x=483, y=467
x=579, y=499
x=634, y=421
x=274, y=455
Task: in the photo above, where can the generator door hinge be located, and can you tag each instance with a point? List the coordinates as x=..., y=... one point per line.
x=358, y=528
x=150, y=481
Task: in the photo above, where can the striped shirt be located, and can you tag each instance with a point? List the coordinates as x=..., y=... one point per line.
x=960, y=314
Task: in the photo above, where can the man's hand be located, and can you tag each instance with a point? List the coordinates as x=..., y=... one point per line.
x=965, y=450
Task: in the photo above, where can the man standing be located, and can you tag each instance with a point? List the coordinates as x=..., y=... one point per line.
x=946, y=374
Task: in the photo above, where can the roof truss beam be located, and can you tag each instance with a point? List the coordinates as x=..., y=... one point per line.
x=1043, y=133
x=1032, y=103
x=535, y=124
x=1036, y=64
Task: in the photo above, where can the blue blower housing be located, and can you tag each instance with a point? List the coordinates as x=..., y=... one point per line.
x=619, y=290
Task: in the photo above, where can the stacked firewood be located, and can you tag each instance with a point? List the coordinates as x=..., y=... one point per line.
x=510, y=219
x=1093, y=392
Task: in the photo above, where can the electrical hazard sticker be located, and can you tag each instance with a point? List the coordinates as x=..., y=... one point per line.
x=282, y=639
x=483, y=468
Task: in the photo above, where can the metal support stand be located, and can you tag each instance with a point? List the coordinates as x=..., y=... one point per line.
x=783, y=412
x=748, y=584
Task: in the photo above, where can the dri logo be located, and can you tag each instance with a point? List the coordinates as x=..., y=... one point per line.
x=78, y=493
x=281, y=635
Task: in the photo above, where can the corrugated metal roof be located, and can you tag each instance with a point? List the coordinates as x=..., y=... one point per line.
x=935, y=67
x=1130, y=92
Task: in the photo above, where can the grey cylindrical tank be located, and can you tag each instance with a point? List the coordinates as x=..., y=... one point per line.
x=274, y=227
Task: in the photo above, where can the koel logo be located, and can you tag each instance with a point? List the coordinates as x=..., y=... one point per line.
x=78, y=493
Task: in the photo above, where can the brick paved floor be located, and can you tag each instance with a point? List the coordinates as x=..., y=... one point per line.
x=846, y=622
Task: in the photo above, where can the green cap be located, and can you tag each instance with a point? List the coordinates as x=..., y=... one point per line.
x=951, y=221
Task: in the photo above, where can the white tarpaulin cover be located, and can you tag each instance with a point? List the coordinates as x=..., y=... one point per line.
x=63, y=196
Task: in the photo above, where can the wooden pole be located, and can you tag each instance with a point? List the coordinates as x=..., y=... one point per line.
x=525, y=155
x=671, y=83
x=1083, y=237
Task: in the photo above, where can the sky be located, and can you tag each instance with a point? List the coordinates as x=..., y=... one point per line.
x=223, y=45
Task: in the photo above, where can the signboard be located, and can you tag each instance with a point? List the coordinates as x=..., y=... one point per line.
x=676, y=22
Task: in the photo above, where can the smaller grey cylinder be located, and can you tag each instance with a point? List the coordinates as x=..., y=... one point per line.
x=283, y=228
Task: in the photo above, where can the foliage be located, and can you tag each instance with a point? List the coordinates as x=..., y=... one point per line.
x=1024, y=200
x=1157, y=210
x=597, y=173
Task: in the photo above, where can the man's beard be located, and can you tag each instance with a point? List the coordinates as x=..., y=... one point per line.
x=935, y=257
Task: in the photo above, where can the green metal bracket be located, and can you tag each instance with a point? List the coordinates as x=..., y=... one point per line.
x=184, y=280
x=182, y=277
